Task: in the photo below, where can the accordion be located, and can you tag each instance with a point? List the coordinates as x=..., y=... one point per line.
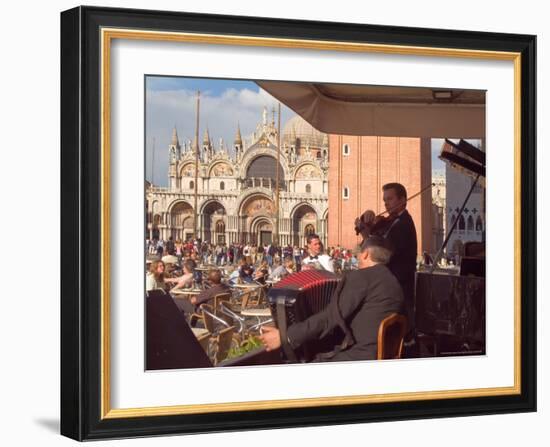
x=297, y=297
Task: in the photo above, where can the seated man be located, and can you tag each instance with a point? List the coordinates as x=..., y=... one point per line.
x=216, y=287
x=367, y=296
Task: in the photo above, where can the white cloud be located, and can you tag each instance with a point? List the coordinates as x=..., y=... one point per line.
x=220, y=114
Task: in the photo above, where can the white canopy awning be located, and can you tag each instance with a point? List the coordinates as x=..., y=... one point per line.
x=384, y=111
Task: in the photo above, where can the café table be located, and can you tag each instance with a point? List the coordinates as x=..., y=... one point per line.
x=262, y=315
x=185, y=292
x=246, y=285
x=206, y=267
x=182, y=298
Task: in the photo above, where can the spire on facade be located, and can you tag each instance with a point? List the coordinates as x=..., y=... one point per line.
x=206, y=138
x=293, y=136
x=238, y=137
x=175, y=141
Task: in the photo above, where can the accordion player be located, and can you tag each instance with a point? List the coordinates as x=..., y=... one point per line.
x=297, y=297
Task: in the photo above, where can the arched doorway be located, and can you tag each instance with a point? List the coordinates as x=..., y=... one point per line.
x=187, y=230
x=304, y=222
x=255, y=210
x=262, y=231
x=220, y=232
x=214, y=213
x=155, y=233
x=181, y=221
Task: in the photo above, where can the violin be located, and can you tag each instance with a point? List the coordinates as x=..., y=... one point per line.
x=370, y=224
x=382, y=224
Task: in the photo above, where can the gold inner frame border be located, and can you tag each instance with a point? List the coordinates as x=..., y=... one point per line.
x=107, y=35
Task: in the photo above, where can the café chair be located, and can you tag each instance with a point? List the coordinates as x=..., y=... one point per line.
x=228, y=310
x=211, y=321
x=204, y=340
x=223, y=343
x=219, y=299
x=215, y=324
x=391, y=333
x=240, y=302
x=256, y=296
x=199, y=331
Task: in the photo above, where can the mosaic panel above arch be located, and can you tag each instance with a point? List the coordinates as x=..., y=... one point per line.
x=221, y=170
x=308, y=171
x=180, y=206
x=257, y=205
x=302, y=209
x=188, y=170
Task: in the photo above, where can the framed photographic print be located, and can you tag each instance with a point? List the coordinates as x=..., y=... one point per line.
x=273, y=223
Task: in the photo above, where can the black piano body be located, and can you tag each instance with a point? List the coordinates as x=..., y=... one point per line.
x=450, y=313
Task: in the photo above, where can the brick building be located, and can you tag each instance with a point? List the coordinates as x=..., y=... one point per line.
x=359, y=166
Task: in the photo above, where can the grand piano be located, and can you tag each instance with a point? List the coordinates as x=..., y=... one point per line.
x=450, y=304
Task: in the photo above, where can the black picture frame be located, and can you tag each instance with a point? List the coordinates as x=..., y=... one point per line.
x=81, y=217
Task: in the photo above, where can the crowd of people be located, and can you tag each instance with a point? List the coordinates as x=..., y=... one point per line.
x=207, y=253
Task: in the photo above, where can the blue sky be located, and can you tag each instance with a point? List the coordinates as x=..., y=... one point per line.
x=171, y=101
x=224, y=104
x=211, y=87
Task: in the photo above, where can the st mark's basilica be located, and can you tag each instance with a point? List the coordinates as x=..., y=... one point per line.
x=236, y=192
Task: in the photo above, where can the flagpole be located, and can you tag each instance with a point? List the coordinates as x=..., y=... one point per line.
x=153, y=165
x=195, y=213
x=277, y=174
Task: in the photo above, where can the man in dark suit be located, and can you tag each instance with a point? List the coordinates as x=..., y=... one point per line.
x=400, y=232
x=216, y=287
x=367, y=296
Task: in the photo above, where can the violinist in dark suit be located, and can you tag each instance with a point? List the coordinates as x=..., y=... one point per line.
x=399, y=230
x=363, y=299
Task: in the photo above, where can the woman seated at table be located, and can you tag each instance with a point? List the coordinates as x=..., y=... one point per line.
x=261, y=274
x=186, y=280
x=155, y=278
x=246, y=273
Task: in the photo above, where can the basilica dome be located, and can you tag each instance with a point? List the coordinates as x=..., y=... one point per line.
x=297, y=127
